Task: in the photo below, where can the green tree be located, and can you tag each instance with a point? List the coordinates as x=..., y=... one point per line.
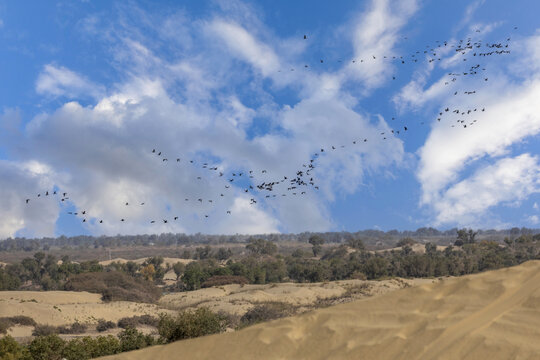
x=223, y=254
x=376, y=267
x=178, y=269
x=431, y=249
x=261, y=247
x=316, y=242
x=466, y=236
x=356, y=243
x=194, y=276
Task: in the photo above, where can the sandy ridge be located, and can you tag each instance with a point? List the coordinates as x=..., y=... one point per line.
x=493, y=315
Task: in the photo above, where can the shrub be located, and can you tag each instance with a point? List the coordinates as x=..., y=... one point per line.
x=11, y=349
x=219, y=280
x=44, y=330
x=48, y=347
x=77, y=349
x=106, y=345
x=7, y=322
x=89, y=348
x=22, y=320
x=265, y=312
x=190, y=324
x=406, y=241
x=104, y=325
x=114, y=286
x=133, y=321
x=75, y=328
x=132, y=339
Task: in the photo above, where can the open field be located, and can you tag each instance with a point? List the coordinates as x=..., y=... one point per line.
x=492, y=315
x=66, y=307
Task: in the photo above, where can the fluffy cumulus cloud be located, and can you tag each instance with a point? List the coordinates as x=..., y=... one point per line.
x=25, y=180
x=188, y=106
x=484, y=149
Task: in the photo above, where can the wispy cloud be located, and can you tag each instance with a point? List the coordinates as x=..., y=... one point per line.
x=510, y=117
x=509, y=180
x=376, y=33
x=60, y=81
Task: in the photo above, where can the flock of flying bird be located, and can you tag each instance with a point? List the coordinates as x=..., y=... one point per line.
x=301, y=180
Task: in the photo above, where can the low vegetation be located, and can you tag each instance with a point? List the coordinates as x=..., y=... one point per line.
x=104, y=325
x=134, y=321
x=266, y=312
x=114, y=286
x=190, y=324
x=52, y=347
x=7, y=322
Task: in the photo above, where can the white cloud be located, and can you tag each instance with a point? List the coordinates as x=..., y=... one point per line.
x=469, y=12
x=18, y=182
x=376, y=33
x=244, y=45
x=60, y=81
x=534, y=219
x=510, y=117
x=185, y=105
x=509, y=180
x=246, y=219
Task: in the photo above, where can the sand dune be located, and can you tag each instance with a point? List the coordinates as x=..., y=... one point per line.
x=237, y=299
x=493, y=315
x=66, y=307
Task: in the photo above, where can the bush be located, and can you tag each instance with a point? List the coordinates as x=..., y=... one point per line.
x=106, y=345
x=22, y=320
x=10, y=349
x=406, y=241
x=104, y=325
x=7, y=322
x=44, y=330
x=75, y=328
x=265, y=312
x=132, y=339
x=89, y=348
x=219, y=280
x=114, y=286
x=190, y=324
x=5, y=325
x=133, y=321
x=48, y=347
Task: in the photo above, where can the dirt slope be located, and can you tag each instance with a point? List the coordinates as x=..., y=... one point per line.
x=493, y=315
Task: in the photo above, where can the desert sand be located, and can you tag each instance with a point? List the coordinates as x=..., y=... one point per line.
x=492, y=315
x=238, y=299
x=66, y=307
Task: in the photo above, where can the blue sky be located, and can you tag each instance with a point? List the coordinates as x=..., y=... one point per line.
x=91, y=87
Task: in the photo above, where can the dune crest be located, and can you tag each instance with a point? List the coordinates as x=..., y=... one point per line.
x=492, y=315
